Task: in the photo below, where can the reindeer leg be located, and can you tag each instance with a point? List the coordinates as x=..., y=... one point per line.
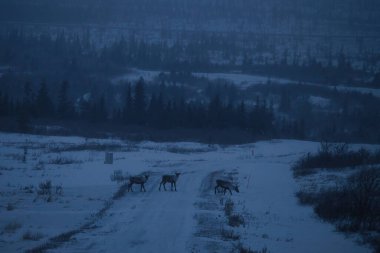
x=143, y=187
x=175, y=186
x=229, y=190
x=130, y=187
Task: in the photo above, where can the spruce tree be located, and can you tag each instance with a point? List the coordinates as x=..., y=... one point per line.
x=43, y=103
x=139, y=102
x=28, y=99
x=128, y=106
x=64, y=109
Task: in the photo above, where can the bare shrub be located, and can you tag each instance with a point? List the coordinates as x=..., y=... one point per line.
x=32, y=236
x=121, y=192
x=28, y=189
x=229, y=235
x=62, y=161
x=39, y=166
x=364, y=190
x=334, y=156
x=88, y=146
x=182, y=150
x=44, y=188
x=239, y=248
x=307, y=198
x=59, y=190
x=235, y=220
x=12, y=227
x=118, y=176
x=48, y=192
x=353, y=205
x=10, y=207
x=228, y=207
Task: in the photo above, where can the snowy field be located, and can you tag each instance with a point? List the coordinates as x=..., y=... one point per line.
x=242, y=81
x=82, y=213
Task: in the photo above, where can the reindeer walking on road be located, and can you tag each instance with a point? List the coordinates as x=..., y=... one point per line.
x=172, y=179
x=141, y=180
x=226, y=186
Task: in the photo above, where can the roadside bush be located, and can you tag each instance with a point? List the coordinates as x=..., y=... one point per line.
x=32, y=236
x=334, y=156
x=239, y=248
x=12, y=227
x=182, y=150
x=10, y=207
x=62, y=161
x=118, y=176
x=228, y=207
x=229, y=235
x=121, y=192
x=28, y=189
x=48, y=192
x=44, y=188
x=39, y=166
x=94, y=146
x=235, y=220
x=307, y=198
x=353, y=206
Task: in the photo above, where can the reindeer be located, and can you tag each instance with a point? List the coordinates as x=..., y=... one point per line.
x=141, y=180
x=226, y=185
x=172, y=179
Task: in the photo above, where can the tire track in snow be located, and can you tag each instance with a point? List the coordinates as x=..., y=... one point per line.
x=210, y=217
x=58, y=241
x=151, y=221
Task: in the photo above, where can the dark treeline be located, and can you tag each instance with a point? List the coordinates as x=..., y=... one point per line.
x=263, y=111
x=77, y=57
x=139, y=109
x=90, y=95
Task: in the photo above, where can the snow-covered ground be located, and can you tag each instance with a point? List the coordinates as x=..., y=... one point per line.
x=191, y=219
x=241, y=80
x=134, y=75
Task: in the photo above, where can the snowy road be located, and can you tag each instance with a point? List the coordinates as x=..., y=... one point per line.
x=155, y=221
x=151, y=221
x=191, y=219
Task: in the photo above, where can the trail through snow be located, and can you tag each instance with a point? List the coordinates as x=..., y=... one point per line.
x=192, y=218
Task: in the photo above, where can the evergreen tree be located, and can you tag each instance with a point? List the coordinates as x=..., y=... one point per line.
x=28, y=99
x=23, y=120
x=102, y=109
x=128, y=105
x=4, y=105
x=43, y=103
x=139, y=102
x=241, y=115
x=64, y=108
x=152, y=112
x=215, y=112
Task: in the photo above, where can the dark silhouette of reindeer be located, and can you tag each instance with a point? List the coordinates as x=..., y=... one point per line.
x=141, y=180
x=226, y=186
x=172, y=179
